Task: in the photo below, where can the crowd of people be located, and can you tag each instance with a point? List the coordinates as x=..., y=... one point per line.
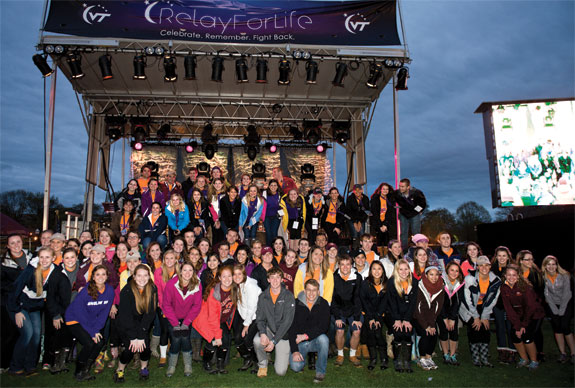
x=200, y=267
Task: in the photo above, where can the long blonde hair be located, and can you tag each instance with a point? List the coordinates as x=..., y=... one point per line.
x=194, y=281
x=182, y=206
x=38, y=272
x=147, y=296
x=324, y=264
x=165, y=270
x=397, y=279
x=546, y=261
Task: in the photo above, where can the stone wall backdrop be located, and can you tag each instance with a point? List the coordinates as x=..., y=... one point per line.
x=227, y=158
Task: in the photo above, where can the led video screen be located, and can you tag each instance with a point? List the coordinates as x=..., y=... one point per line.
x=534, y=152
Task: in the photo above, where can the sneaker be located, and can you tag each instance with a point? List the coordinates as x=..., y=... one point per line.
x=144, y=374
x=318, y=378
x=454, y=360
x=533, y=365
x=563, y=358
x=521, y=363
x=431, y=363
x=355, y=361
x=46, y=366
x=446, y=359
x=31, y=372
x=339, y=361
x=423, y=364
x=119, y=376
x=262, y=372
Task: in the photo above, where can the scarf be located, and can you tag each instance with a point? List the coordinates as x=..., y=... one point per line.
x=430, y=287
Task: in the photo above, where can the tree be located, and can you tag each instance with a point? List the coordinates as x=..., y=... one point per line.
x=27, y=207
x=469, y=215
x=437, y=220
x=501, y=214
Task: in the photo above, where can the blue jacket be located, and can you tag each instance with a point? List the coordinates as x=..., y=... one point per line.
x=181, y=222
x=89, y=313
x=257, y=215
x=153, y=231
x=23, y=295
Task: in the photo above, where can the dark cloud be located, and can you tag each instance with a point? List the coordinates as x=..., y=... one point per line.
x=463, y=53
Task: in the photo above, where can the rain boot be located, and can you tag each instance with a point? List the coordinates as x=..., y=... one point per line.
x=172, y=364
x=196, y=349
x=484, y=355
x=407, y=349
x=475, y=358
x=154, y=343
x=187, y=364
x=207, y=358
x=221, y=361
x=246, y=355
x=372, y=357
x=383, y=357
x=397, y=350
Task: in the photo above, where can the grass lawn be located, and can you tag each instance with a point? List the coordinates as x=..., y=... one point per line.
x=549, y=374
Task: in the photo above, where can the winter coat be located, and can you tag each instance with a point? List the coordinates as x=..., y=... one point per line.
x=325, y=284
x=91, y=314
x=181, y=221
x=468, y=308
x=230, y=213
x=147, y=230
x=374, y=304
x=248, y=304
x=346, y=300
x=130, y=323
x=147, y=201
x=412, y=204
x=428, y=306
x=401, y=307
x=558, y=295
x=521, y=306
x=178, y=306
x=312, y=323
x=275, y=318
x=356, y=210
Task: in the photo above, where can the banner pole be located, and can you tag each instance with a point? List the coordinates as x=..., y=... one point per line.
x=396, y=147
x=49, y=142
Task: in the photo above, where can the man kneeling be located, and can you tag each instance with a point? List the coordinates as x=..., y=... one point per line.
x=308, y=332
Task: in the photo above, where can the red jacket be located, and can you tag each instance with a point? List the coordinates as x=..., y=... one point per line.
x=521, y=306
x=207, y=323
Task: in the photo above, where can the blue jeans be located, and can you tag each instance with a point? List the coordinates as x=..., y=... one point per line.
x=353, y=233
x=319, y=345
x=502, y=329
x=162, y=240
x=413, y=223
x=271, y=224
x=178, y=342
x=250, y=232
x=26, y=349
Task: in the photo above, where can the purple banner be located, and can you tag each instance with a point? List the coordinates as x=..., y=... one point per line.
x=355, y=23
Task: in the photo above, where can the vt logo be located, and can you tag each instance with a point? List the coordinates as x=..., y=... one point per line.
x=355, y=23
x=98, y=15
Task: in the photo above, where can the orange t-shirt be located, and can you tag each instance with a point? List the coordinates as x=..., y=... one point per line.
x=233, y=248
x=154, y=219
x=344, y=277
x=89, y=273
x=45, y=274
x=449, y=252
x=483, y=285
x=301, y=259
x=370, y=256
x=331, y=213
x=404, y=285
x=257, y=260
x=274, y=296
x=315, y=275
x=157, y=264
x=332, y=266
x=378, y=287
x=143, y=182
x=278, y=258
x=58, y=260
x=525, y=274
x=123, y=267
x=309, y=305
x=552, y=278
x=382, y=208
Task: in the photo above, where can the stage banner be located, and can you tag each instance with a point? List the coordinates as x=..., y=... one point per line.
x=334, y=23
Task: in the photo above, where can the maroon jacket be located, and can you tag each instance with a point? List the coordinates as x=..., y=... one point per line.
x=168, y=193
x=521, y=306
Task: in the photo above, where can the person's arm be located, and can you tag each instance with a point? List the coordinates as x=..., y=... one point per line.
x=292, y=335
x=419, y=200
x=243, y=214
x=251, y=302
x=196, y=307
x=488, y=307
x=171, y=219
x=328, y=286
x=186, y=219
x=162, y=224
x=412, y=296
x=468, y=297
x=261, y=318
x=13, y=304
x=98, y=322
x=335, y=308
x=357, y=299
x=566, y=295
x=510, y=312
x=298, y=285
x=366, y=302
x=148, y=318
x=168, y=304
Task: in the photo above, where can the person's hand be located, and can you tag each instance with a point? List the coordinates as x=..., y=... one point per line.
x=396, y=325
x=218, y=342
x=520, y=332
x=270, y=347
x=177, y=232
x=264, y=340
x=476, y=325
x=339, y=323
x=198, y=230
x=184, y=327
x=485, y=323
x=19, y=318
x=357, y=323
x=383, y=228
x=57, y=323
x=113, y=311
x=371, y=323
x=137, y=346
x=301, y=338
x=217, y=224
x=357, y=226
x=297, y=357
x=430, y=331
x=337, y=230
x=245, y=331
x=407, y=326
x=97, y=338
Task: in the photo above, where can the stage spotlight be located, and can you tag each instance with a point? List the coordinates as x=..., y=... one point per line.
x=253, y=136
x=42, y=65
x=105, y=63
x=163, y=131
x=307, y=169
x=261, y=71
x=402, y=76
x=393, y=63
x=138, y=146
x=252, y=152
x=271, y=147
x=259, y=170
x=170, y=69
x=311, y=70
x=277, y=108
x=217, y=69
x=299, y=54
x=321, y=148
x=159, y=50
x=149, y=50
x=191, y=146
x=284, y=68
x=242, y=70
x=375, y=72
x=207, y=134
x=49, y=49
x=340, y=73
x=190, y=67
x=295, y=132
x=114, y=127
x=312, y=131
x=139, y=67
x=341, y=131
x=209, y=150
x=75, y=63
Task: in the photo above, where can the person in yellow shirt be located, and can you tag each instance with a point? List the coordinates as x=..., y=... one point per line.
x=318, y=269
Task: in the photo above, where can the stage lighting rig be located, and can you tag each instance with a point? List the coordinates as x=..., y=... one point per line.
x=242, y=70
x=217, y=68
x=163, y=131
x=105, y=63
x=190, y=67
x=341, y=131
x=261, y=71
x=311, y=70
x=312, y=130
x=284, y=69
x=402, y=76
x=42, y=65
x=170, y=68
x=115, y=127
x=75, y=63
x=340, y=73
x=375, y=73
x=139, y=67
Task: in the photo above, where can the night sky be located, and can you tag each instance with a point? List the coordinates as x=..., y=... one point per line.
x=464, y=53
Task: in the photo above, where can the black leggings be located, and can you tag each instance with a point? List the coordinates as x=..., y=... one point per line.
x=332, y=236
x=402, y=336
x=376, y=337
x=561, y=324
x=127, y=355
x=427, y=342
x=226, y=339
x=8, y=337
x=238, y=326
x=164, y=325
x=481, y=336
x=90, y=349
x=444, y=334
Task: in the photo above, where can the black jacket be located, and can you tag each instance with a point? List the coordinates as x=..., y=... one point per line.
x=146, y=228
x=187, y=185
x=407, y=205
x=389, y=220
x=204, y=214
x=260, y=275
x=346, y=301
x=401, y=308
x=230, y=214
x=374, y=304
x=59, y=294
x=314, y=322
x=131, y=324
x=341, y=214
x=451, y=302
x=310, y=213
x=356, y=210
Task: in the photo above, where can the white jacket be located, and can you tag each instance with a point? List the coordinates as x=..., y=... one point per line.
x=250, y=293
